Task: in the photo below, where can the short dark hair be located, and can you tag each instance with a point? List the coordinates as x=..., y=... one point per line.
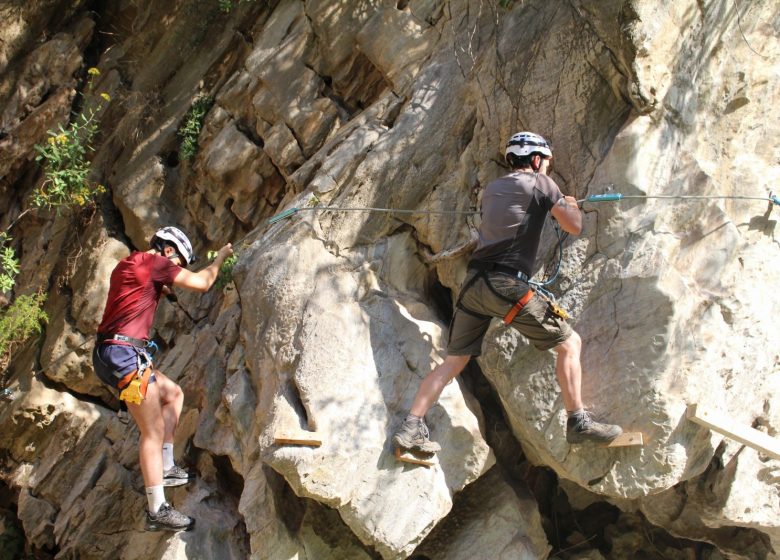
x=159, y=245
x=520, y=162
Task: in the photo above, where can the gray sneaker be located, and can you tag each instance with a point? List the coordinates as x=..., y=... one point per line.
x=168, y=519
x=583, y=426
x=413, y=435
x=176, y=476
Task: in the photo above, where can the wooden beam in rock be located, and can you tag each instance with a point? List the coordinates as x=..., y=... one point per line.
x=411, y=458
x=308, y=439
x=627, y=439
x=746, y=435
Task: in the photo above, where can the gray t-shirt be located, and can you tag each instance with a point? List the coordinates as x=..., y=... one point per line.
x=513, y=211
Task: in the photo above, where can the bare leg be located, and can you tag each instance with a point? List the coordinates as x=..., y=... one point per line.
x=171, y=402
x=434, y=383
x=568, y=370
x=149, y=418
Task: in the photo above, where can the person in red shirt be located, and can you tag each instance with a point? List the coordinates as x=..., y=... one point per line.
x=121, y=359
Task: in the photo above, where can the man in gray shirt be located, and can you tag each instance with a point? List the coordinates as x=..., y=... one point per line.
x=514, y=208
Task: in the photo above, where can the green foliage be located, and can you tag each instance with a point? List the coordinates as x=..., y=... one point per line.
x=225, y=271
x=193, y=123
x=19, y=320
x=227, y=5
x=64, y=159
x=9, y=264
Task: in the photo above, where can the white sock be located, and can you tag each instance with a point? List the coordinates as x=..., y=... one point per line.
x=167, y=456
x=155, y=495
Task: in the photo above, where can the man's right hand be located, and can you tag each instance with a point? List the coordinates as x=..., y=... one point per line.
x=225, y=252
x=202, y=280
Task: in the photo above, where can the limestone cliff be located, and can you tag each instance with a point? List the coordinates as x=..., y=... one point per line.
x=333, y=318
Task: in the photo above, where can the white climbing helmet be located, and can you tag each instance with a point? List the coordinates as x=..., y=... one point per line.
x=527, y=143
x=178, y=239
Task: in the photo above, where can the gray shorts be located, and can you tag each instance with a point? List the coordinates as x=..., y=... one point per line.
x=479, y=304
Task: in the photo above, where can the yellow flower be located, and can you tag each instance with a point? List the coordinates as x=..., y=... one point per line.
x=105, y=96
x=100, y=189
x=93, y=71
x=62, y=139
x=51, y=140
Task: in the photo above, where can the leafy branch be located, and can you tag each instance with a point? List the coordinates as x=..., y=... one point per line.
x=64, y=160
x=225, y=270
x=193, y=124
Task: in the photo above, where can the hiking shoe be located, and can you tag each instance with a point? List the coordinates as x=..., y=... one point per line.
x=168, y=519
x=583, y=426
x=176, y=476
x=413, y=435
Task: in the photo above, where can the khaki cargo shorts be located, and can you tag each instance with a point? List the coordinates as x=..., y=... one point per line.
x=479, y=304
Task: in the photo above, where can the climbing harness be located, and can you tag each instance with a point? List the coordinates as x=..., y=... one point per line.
x=133, y=385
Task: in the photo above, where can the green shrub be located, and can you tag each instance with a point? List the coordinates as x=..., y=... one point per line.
x=225, y=271
x=64, y=159
x=19, y=320
x=8, y=262
x=193, y=124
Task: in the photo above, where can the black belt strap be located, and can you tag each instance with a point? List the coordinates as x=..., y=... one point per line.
x=140, y=343
x=484, y=266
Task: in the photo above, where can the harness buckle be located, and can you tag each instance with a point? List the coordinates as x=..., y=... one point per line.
x=558, y=310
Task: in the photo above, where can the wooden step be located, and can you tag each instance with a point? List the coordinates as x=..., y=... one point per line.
x=746, y=435
x=627, y=439
x=412, y=458
x=308, y=439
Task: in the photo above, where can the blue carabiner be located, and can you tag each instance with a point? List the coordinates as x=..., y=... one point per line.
x=151, y=347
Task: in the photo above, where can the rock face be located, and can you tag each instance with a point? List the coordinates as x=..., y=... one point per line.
x=333, y=318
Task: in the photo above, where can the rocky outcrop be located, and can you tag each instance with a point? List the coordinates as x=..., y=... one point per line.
x=334, y=317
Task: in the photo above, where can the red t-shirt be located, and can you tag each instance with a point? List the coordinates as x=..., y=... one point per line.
x=134, y=292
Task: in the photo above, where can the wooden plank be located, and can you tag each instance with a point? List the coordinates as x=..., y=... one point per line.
x=746, y=435
x=409, y=457
x=627, y=439
x=309, y=439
